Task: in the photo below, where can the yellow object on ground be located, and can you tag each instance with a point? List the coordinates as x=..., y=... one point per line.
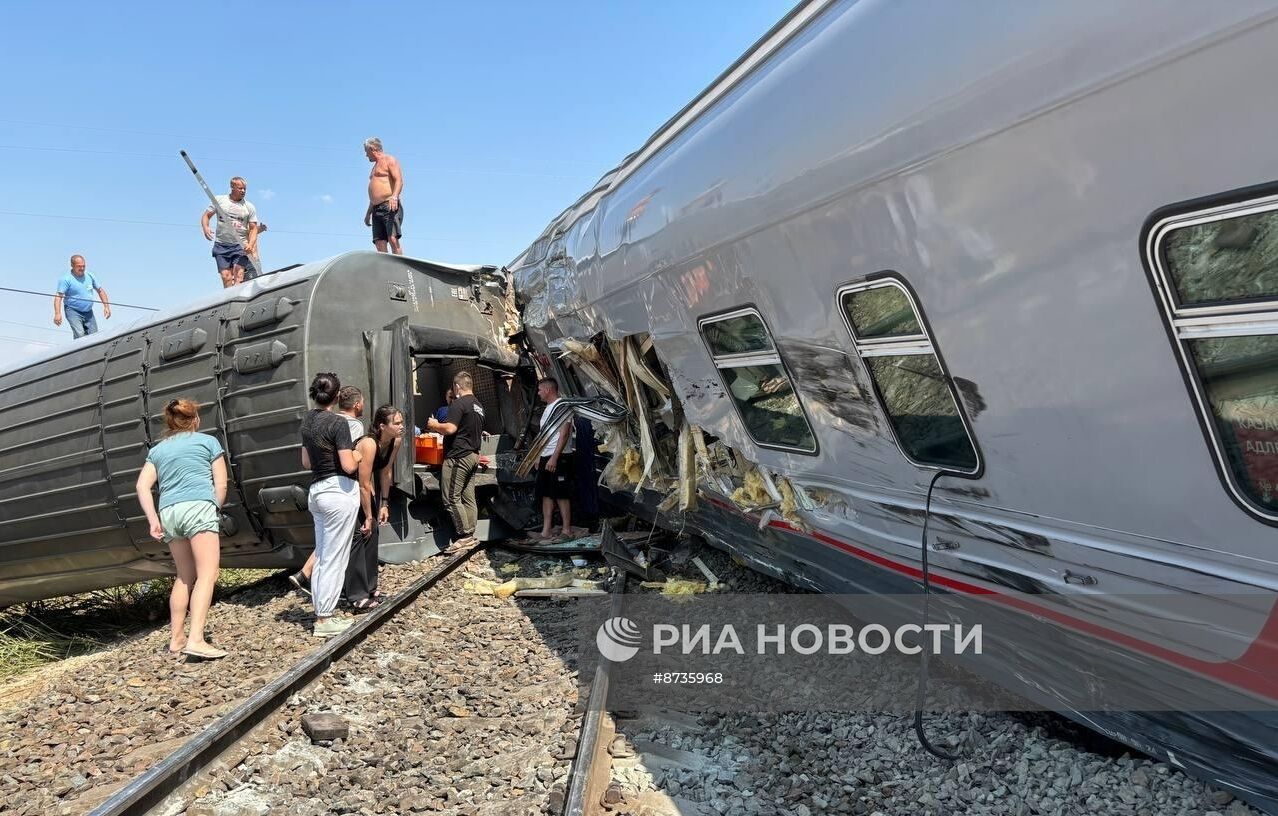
x=676, y=586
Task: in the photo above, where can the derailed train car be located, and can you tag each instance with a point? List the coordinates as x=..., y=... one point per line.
x=75, y=425
x=1004, y=272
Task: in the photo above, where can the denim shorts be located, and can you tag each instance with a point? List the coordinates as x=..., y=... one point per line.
x=185, y=519
x=228, y=255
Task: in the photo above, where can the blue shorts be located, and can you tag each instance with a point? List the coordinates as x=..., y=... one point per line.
x=188, y=518
x=229, y=255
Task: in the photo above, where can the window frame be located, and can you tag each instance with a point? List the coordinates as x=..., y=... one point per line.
x=1248, y=317
x=750, y=358
x=902, y=346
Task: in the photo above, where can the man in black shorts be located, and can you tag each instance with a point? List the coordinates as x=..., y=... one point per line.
x=554, y=468
x=463, y=432
x=385, y=214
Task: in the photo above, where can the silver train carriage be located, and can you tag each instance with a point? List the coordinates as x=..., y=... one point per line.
x=1033, y=247
x=75, y=425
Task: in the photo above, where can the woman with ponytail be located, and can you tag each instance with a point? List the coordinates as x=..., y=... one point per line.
x=191, y=470
x=329, y=453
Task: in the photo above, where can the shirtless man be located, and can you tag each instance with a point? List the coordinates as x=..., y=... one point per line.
x=384, y=214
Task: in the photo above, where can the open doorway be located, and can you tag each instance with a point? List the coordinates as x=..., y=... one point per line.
x=413, y=367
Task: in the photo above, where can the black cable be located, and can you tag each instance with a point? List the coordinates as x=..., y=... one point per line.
x=921, y=693
x=50, y=294
x=191, y=225
x=436, y=171
x=27, y=340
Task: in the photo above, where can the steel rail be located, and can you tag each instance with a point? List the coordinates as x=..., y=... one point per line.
x=148, y=790
x=588, y=746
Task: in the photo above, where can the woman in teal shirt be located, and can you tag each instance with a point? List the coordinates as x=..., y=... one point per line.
x=191, y=470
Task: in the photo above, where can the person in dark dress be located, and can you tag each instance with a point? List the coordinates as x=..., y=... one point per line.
x=377, y=450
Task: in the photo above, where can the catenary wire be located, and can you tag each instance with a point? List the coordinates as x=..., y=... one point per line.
x=28, y=340
x=188, y=137
x=193, y=225
x=32, y=326
x=286, y=162
x=114, y=305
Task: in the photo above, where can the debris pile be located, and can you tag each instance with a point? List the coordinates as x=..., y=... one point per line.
x=654, y=446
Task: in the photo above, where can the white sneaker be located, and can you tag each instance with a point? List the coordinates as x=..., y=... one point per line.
x=332, y=625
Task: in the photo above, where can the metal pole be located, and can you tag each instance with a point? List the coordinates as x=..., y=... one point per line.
x=257, y=259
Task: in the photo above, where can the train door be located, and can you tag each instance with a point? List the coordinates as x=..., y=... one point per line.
x=410, y=533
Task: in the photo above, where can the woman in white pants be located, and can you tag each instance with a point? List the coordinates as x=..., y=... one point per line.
x=329, y=452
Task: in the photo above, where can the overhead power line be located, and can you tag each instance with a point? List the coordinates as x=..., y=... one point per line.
x=114, y=305
x=285, y=162
x=27, y=340
x=192, y=225
x=191, y=138
x=32, y=326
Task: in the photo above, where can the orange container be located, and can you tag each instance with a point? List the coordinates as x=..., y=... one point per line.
x=428, y=450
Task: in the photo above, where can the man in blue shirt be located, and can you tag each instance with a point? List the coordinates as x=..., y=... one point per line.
x=75, y=299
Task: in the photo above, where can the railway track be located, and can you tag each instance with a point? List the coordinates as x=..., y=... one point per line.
x=144, y=793
x=192, y=778
x=456, y=702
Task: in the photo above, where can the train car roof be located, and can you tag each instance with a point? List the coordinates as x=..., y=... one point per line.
x=785, y=29
x=245, y=291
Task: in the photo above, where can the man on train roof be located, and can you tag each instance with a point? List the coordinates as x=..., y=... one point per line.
x=74, y=299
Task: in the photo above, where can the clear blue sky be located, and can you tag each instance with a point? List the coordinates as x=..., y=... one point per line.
x=502, y=114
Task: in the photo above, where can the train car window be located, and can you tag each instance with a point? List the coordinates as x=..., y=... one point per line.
x=1224, y=260
x=736, y=335
x=909, y=380
x=1216, y=276
x=1240, y=377
x=881, y=311
x=756, y=379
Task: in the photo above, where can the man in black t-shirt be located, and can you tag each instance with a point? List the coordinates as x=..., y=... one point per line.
x=463, y=431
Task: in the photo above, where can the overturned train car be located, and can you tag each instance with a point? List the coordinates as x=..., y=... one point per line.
x=75, y=425
x=889, y=244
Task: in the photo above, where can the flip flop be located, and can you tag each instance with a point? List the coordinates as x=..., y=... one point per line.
x=212, y=654
x=367, y=605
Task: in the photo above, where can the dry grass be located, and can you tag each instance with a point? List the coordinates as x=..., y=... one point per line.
x=43, y=632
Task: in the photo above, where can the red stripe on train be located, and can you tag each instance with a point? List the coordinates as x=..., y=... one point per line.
x=1255, y=671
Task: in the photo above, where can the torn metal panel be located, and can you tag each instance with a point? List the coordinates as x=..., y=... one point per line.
x=585, y=544
x=687, y=481
x=712, y=580
x=639, y=410
x=596, y=409
x=635, y=362
x=586, y=359
x=629, y=551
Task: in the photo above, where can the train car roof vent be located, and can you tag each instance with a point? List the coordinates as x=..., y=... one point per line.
x=265, y=313
x=180, y=344
x=260, y=356
x=283, y=499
